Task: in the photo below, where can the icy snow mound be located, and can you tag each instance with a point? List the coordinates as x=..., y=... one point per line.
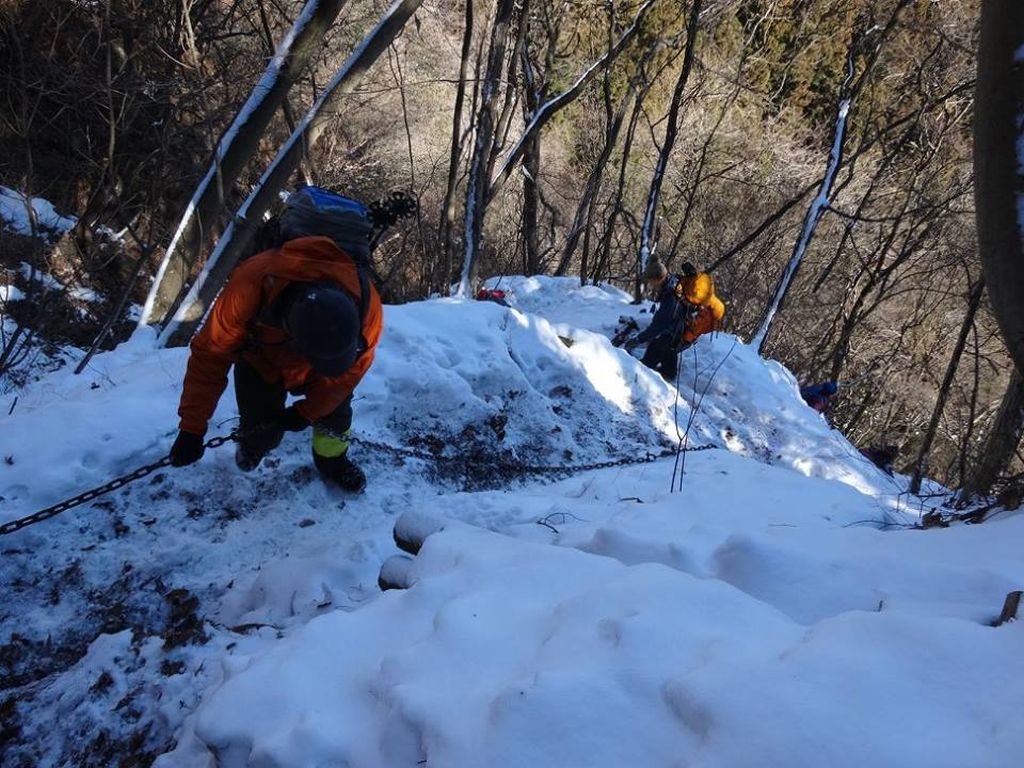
x=470, y=379
x=456, y=378
x=754, y=406
x=476, y=378
x=564, y=302
x=67, y=433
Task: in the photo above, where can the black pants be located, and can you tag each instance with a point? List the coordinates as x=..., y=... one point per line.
x=663, y=357
x=259, y=401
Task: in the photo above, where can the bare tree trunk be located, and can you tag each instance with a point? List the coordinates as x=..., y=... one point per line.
x=550, y=108
x=972, y=419
x=614, y=118
x=1001, y=443
x=477, y=186
x=238, y=235
x=848, y=95
x=455, y=156
x=604, y=247
x=480, y=192
x=306, y=165
x=533, y=93
x=238, y=145
x=531, y=207
x=671, y=131
x=811, y=218
x=590, y=190
x=921, y=465
x=999, y=166
x=503, y=122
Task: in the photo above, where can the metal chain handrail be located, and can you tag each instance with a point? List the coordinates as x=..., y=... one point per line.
x=520, y=467
x=113, y=485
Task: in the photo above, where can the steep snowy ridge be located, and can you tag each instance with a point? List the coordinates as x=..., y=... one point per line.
x=757, y=617
x=744, y=403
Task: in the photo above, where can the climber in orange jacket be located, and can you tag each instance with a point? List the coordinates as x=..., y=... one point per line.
x=303, y=319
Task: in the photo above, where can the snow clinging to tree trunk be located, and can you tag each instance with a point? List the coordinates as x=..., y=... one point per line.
x=260, y=92
x=200, y=296
x=817, y=208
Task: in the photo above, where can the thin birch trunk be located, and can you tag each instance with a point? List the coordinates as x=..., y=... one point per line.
x=647, y=232
x=921, y=465
x=811, y=218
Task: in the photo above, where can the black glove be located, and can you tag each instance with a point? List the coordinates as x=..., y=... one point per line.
x=290, y=420
x=188, y=448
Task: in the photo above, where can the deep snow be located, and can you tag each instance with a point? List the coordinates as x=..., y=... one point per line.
x=759, y=617
x=18, y=211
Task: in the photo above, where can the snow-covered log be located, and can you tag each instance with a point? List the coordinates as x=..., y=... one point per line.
x=413, y=528
x=395, y=573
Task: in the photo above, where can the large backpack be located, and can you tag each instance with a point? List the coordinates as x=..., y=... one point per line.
x=354, y=227
x=693, y=292
x=695, y=289
x=313, y=211
x=310, y=211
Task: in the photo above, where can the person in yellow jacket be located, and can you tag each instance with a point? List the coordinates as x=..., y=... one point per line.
x=705, y=311
x=687, y=309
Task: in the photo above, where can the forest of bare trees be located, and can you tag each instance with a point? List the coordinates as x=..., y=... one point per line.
x=570, y=138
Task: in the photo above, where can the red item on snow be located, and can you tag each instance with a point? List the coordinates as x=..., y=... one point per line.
x=492, y=294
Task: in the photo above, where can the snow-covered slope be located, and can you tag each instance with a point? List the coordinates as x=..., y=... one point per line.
x=757, y=617
x=744, y=403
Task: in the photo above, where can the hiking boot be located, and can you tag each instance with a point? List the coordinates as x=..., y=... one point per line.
x=248, y=457
x=341, y=471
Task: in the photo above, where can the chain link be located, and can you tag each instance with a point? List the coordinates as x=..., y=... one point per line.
x=516, y=466
x=407, y=453
x=113, y=485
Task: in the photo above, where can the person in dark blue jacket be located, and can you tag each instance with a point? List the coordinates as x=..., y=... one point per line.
x=819, y=396
x=662, y=354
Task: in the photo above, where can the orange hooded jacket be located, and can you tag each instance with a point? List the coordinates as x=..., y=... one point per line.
x=699, y=291
x=235, y=331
